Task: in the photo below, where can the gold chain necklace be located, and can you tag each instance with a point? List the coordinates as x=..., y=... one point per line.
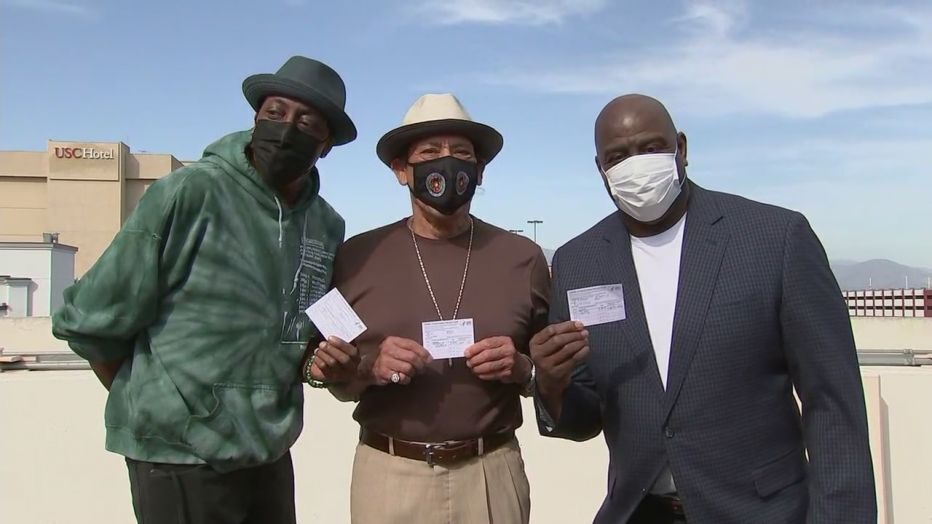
x=430, y=288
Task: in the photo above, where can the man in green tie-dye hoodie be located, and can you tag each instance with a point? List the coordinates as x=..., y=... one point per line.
x=194, y=318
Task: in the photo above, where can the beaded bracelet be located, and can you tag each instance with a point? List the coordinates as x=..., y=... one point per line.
x=311, y=381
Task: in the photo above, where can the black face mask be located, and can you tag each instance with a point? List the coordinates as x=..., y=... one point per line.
x=281, y=153
x=446, y=183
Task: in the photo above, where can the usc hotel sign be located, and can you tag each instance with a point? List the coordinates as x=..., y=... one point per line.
x=84, y=153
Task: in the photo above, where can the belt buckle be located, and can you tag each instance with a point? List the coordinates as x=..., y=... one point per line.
x=429, y=450
x=675, y=504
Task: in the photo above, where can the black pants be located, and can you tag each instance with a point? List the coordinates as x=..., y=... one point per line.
x=651, y=511
x=183, y=494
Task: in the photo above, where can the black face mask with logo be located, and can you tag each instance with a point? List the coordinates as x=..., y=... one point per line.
x=281, y=153
x=445, y=184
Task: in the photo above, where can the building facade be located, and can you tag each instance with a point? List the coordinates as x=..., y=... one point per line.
x=890, y=302
x=81, y=191
x=34, y=276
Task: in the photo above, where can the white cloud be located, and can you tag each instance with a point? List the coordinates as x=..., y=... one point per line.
x=63, y=7
x=522, y=12
x=714, y=19
x=720, y=63
x=840, y=161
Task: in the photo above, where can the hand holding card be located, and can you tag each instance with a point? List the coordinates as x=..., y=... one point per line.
x=334, y=317
x=597, y=305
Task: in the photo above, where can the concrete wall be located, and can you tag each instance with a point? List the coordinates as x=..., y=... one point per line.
x=32, y=263
x=61, y=277
x=54, y=422
x=878, y=434
x=141, y=171
x=54, y=468
x=16, y=295
x=52, y=436
x=23, y=203
x=892, y=333
x=49, y=266
x=903, y=480
x=85, y=200
x=133, y=192
x=29, y=335
x=24, y=163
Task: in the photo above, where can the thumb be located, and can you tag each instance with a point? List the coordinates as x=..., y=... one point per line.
x=316, y=373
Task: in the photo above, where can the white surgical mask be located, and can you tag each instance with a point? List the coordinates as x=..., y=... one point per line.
x=644, y=186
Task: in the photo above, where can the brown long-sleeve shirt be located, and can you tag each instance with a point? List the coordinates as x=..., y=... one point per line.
x=506, y=294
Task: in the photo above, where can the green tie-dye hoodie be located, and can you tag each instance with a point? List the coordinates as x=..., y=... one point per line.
x=204, y=291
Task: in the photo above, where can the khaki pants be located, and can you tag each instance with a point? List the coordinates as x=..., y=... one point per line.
x=491, y=489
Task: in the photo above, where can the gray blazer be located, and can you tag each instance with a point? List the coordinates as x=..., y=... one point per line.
x=758, y=312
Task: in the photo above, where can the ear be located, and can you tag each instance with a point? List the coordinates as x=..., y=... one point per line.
x=400, y=168
x=328, y=145
x=598, y=166
x=682, y=146
x=481, y=170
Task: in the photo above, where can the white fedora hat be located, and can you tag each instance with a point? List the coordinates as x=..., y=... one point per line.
x=438, y=114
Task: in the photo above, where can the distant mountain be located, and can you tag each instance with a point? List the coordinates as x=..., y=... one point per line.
x=878, y=274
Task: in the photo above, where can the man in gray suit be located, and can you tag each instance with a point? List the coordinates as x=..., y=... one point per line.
x=709, y=310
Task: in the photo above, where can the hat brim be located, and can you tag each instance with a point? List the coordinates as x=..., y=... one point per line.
x=487, y=141
x=257, y=88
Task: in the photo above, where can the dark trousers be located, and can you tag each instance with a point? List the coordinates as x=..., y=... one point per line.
x=197, y=494
x=652, y=510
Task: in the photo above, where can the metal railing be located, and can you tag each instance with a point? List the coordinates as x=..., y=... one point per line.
x=66, y=360
x=49, y=361
x=895, y=357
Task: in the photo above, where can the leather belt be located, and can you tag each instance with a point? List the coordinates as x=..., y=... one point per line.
x=440, y=454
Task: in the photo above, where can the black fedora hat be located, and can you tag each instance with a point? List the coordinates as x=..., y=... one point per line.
x=309, y=81
x=434, y=114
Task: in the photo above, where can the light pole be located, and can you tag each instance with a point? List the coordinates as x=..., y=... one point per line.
x=534, y=223
x=516, y=231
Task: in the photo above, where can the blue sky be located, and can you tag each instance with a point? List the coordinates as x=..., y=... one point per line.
x=823, y=107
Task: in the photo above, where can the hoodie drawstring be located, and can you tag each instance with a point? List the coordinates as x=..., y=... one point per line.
x=297, y=273
x=279, y=204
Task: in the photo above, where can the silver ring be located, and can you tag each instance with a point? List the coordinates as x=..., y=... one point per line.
x=396, y=378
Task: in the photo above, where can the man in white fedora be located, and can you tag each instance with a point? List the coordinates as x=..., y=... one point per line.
x=437, y=440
